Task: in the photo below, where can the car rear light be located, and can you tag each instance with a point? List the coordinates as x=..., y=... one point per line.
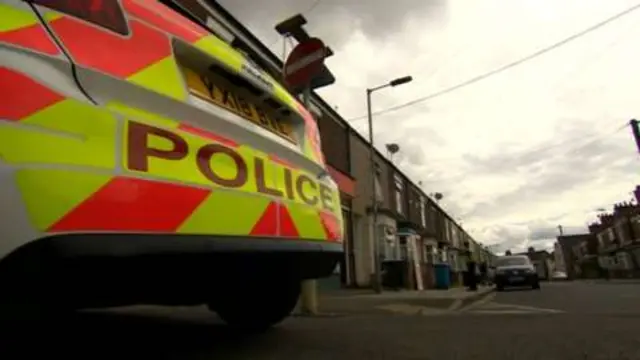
x=104, y=13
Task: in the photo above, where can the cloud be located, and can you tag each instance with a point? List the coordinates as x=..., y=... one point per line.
x=514, y=155
x=379, y=19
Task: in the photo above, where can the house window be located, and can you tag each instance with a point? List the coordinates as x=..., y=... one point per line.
x=620, y=229
x=388, y=243
x=622, y=260
x=399, y=187
x=611, y=235
x=423, y=216
x=429, y=254
x=454, y=235
x=601, y=240
x=378, y=190
x=635, y=224
x=404, y=249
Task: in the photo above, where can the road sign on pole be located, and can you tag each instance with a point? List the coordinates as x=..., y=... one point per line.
x=304, y=63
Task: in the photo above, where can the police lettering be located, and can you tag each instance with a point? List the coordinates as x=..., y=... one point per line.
x=203, y=160
x=296, y=186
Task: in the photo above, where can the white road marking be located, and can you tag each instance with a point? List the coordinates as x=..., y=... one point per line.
x=493, y=308
x=406, y=309
x=455, y=306
x=532, y=308
x=480, y=302
x=484, y=306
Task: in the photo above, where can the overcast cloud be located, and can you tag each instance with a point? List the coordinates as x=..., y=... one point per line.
x=515, y=155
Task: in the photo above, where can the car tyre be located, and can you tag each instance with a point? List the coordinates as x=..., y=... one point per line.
x=255, y=309
x=18, y=315
x=536, y=286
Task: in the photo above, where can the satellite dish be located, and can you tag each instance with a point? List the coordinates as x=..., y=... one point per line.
x=389, y=234
x=393, y=148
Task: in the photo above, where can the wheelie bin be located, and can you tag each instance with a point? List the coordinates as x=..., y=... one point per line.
x=443, y=277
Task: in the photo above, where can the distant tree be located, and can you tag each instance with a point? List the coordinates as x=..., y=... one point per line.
x=531, y=249
x=508, y=252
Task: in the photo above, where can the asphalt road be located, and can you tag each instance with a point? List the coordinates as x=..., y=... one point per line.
x=562, y=321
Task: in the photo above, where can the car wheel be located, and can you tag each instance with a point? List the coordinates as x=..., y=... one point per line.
x=37, y=314
x=257, y=308
x=536, y=286
x=31, y=305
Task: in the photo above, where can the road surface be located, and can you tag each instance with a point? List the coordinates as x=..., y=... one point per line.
x=566, y=321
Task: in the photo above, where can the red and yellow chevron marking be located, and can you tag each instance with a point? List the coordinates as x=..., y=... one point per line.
x=140, y=205
x=89, y=202
x=21, y=96
x=63, y=200
x=20, y=27
x=144, y=58
x=52, y=129
x=312, y=146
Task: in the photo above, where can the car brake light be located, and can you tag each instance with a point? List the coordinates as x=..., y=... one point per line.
x=104, y=13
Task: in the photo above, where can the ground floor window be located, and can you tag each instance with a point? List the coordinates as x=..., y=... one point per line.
x=430, y=254
x=388, y=242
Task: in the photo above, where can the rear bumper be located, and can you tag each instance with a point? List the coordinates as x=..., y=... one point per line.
x=73, y=245
x=516, y=280
x=96, y=270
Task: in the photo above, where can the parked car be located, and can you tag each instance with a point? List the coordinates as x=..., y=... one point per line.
x=515, y=270
x=144, y=160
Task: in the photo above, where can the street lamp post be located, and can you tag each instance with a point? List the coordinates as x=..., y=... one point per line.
x=374, y=205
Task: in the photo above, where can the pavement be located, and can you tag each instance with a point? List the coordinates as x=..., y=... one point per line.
x=404, y=302
x=572, y=320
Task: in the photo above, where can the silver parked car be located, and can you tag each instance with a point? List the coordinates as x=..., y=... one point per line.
x=515, y=270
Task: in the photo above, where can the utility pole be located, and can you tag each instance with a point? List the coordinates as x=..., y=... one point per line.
x=560, y=230
x=377, y=262
x=635, y=131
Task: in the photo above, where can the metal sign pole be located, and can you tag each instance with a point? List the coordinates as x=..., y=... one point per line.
x=309, y=293
x=635, y=131
x=376, y=233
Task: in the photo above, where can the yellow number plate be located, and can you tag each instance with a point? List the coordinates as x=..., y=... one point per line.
x=206, y=89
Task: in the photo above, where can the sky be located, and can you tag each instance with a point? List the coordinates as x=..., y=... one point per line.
x=541, y=144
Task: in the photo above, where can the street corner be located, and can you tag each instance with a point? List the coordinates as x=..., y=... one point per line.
x=481, y=295
x=454, y=299
x=474, y=302
x=427, y=302
x=407, y=309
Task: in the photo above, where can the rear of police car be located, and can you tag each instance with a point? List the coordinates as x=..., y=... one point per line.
x=145, y=161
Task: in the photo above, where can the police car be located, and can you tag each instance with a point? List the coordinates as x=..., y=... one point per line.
x=143, y=160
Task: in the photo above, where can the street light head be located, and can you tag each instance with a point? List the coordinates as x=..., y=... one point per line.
x=400, y=81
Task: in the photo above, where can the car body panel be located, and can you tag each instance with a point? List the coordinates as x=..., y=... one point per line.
x=116, y=131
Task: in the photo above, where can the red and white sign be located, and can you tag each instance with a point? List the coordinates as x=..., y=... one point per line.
x=304, y=63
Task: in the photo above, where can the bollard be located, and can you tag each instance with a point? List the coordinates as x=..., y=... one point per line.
x=309, y=297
